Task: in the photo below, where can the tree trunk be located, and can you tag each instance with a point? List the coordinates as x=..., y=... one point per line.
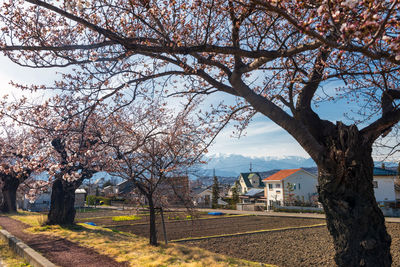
x=153, y=230
x=62, y=210
x=346, y=192
x=9, y=192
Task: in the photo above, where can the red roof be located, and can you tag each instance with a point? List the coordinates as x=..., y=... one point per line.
x=280, y=175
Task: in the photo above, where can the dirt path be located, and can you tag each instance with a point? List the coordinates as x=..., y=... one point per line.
x=58, y=250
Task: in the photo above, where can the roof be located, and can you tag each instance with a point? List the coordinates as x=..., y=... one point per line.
x=254, y=191
x=280, y=175
x=196, y=191
x=80, y=191
x=384, y=172
x=247, y=175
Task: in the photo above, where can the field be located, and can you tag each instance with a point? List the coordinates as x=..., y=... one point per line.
x=282, y=241
x=179, y=226
x=299, y=247
x=274, y=240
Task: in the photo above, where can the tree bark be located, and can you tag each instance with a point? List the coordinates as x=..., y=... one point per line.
x=346, y=192
x=62, y=210
x=9, y=192
x=153, y=230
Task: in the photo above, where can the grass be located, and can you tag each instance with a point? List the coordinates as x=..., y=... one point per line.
x=126, y=247
x=9, y=258
x=125, y=218
x=30, y=218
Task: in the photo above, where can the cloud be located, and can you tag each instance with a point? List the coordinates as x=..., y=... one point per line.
x=263, y=138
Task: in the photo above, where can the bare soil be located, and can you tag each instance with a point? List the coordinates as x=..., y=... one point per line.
x=58, y=250
x=299, y=247
x=216, y=226
x=105, y=218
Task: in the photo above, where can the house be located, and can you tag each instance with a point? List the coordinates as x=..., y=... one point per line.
x=254, y=195
x=202, y=197
x=285, y=187
x=121, y=189
x=252, y=200
x=249, y=180
x=384, y=185
x=41, y=201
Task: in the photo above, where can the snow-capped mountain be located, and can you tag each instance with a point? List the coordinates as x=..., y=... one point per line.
x=232, y=165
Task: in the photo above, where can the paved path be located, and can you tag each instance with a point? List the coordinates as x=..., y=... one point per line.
x=285, y=214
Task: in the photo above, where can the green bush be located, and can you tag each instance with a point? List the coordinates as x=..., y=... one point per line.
x=97, y=200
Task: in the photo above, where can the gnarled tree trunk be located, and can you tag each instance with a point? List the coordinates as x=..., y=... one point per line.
x=62, y=210
x=346, y=192
x=9, y=192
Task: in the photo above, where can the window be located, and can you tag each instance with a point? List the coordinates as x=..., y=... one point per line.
x=270, y=186
x=278, y=185
x=278, y=191
x=375, y=184
x=299, y=187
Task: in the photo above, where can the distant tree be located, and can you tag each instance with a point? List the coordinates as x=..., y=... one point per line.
x=235, y=193
x=152, y=148
x=215, y=193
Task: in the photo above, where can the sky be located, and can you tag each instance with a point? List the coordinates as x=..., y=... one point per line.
x=263, y=138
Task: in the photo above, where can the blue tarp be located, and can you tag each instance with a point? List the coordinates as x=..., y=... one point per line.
x=91, y=223
x=215, y=213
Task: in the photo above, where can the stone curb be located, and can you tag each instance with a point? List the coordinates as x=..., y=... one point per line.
x=34, y=258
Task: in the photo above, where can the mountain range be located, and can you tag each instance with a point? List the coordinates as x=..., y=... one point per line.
x=233, y=165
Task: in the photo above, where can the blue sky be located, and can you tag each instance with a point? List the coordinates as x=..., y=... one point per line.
x=262, y=138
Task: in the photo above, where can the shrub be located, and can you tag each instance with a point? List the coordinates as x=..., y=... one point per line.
x=96, y=200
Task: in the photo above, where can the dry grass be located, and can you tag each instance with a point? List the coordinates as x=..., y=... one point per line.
x=134, y=249
x=9, y=258
x=30, y=218
x=125, y=218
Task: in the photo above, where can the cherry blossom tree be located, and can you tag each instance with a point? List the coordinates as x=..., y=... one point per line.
x=71, y=145
x=275, y=57
x=17, y=163
x=155, y=149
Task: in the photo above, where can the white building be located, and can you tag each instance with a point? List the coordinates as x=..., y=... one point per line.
x=249, y=180
x=384, y=185
x=287, y=186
